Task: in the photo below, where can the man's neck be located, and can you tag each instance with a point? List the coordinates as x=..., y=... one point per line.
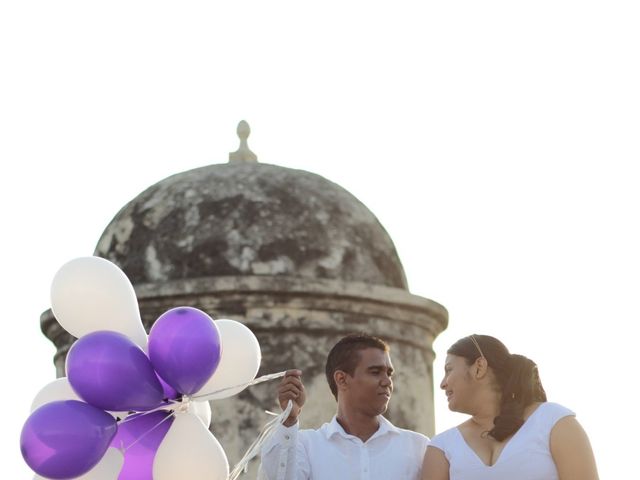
x=358, y=424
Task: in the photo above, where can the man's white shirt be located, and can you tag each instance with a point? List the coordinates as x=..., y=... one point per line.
x=330, y=453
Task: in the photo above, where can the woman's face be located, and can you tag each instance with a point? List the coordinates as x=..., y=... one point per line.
x=457, y=383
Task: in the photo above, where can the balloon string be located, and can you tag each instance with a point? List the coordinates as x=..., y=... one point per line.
x=122, y=447
x=183, y=407
x=137, y=414
x=254, y=449
x=264, y=378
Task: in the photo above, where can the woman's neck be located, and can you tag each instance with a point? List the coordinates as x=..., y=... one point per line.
x=487, y=409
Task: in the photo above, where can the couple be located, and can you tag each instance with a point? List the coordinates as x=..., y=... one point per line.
x=501, y=391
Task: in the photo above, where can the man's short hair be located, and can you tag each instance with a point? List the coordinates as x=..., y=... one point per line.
x=345, y=355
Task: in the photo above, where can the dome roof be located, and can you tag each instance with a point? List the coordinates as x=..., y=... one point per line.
x=248, y=218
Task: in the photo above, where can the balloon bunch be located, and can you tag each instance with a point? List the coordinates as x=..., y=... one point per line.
x=132, y=406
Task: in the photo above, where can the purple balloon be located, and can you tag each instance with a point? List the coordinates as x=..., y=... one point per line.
x=184, y=348
x=141, y=435
x=109, y=371
x=66, y=438
x=170, y=393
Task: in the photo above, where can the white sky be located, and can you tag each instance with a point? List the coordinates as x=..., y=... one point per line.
x=495, y=141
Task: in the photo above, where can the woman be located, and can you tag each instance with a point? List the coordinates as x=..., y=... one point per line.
x=513, y=431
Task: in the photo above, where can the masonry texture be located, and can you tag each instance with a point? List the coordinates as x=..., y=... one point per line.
x=296, y=258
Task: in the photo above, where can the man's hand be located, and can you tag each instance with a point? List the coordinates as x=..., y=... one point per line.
x=291, y=388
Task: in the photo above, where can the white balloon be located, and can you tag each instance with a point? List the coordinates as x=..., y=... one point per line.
x=189, y=450
x=108, y=468
x=59, y=389
x=90, y=294
x=239, y=363
x=202, y=410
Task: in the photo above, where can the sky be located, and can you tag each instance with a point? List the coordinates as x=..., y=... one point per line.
x=495, y=141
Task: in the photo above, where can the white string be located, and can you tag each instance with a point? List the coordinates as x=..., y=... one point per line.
x=264, y=378
x=266, y=433
x=123, y=449
x=136, y=414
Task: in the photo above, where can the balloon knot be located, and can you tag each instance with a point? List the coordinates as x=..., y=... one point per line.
x=183, y=406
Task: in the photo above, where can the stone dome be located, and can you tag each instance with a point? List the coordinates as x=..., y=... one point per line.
x=249, y=218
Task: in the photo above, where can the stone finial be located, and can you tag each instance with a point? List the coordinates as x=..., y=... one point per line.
x=243, y=154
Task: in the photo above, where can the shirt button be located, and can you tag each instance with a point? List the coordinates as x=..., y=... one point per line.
x=282, y=464
x=286, y=437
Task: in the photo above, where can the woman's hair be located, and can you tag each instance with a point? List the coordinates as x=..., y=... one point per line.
x=517, y=378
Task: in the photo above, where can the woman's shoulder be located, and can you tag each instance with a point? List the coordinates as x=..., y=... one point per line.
x=555, y=408
x=550, y=412
x=445, y=438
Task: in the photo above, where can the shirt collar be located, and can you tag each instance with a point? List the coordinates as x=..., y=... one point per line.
x=385, y=427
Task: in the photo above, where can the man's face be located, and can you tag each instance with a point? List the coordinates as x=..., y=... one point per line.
x=370, y=387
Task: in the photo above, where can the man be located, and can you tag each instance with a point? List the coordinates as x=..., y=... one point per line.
x=359, y=443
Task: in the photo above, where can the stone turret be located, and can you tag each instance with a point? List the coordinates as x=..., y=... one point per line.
x=296, y=258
